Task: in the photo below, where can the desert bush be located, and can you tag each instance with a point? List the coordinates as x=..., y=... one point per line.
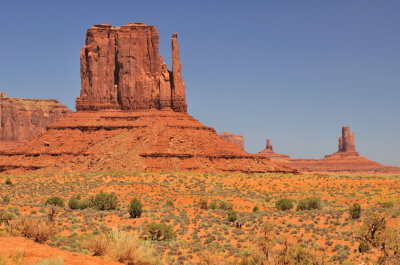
x=355, y=211
x=84, y=204
x=256, y=209
x=160, y=231
x=55, y=201
x=35, y=229
x=225, y=206
x=74, y=201
x=311, y=203
x=129, y=249
x=8, y=181
x=363, y=247
x=203, y=203
x=6, y=217
x=135, y=208
x=98, y=245
x=284, y=204
x=232, y=216
x=104, y=201
x=170, y=203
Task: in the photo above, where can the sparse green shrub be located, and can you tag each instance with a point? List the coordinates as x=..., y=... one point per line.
x=232, y=216
x=84, y=204
x=135, y=208
x=225, y=206
x=6, y=217
x=363, y=247
x=104, y=201
x=355, y=211
x=284, y=204
x=55, y=201
x=255, y=209
x=73, y=202
x=8, y=181
x=160, y=231
x=311, y=203
x=212, y=205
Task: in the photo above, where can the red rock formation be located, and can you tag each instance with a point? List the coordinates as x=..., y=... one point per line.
x=233, y=139
x=269, y=152
x=140, y=122
x=346, y=160
x=21, y=119
x=122, y=69
x=346, y=141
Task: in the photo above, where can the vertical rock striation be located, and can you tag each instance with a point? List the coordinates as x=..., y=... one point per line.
x=346, y=141
x=121, y=69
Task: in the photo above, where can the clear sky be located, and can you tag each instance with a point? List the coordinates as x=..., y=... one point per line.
x=294, y=71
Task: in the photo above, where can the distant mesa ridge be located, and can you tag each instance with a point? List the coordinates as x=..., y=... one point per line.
x=233, y=139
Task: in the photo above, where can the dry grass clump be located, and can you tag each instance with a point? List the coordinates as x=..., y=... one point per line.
x=36, y=229
x=123, y=247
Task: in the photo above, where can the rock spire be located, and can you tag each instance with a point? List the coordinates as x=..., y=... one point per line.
x=346, y=141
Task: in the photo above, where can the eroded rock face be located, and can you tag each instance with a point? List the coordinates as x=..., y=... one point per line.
x=121, y=69
x=21, y=119
x=233, y=139
x=346, y=141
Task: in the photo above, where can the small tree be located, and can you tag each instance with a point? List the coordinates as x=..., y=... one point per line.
x=355, y=211
x=284, y=204
x=104, y=201
x=55, y=201
x=135, y=208
x=255, y=209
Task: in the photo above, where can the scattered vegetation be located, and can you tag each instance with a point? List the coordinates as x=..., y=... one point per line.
x=311, y=203
x=135, y=208
x=284, y=204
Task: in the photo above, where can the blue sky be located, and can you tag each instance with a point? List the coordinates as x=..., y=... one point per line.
x=293, y=71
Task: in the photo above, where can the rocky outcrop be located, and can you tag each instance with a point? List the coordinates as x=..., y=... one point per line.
x=346, y=160
x=233, y=139
x=21, y=118
x=346, y=141
x=121, y=69
x=269, y=152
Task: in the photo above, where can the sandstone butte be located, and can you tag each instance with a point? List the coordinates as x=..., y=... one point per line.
x=269, y=152
x=132, y=115
x=233, y=139
x=21, y=118
x=345, y=160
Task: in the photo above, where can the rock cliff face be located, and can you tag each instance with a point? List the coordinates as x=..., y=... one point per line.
x=121, y=69
x=346, y=141
x=233, y=139
x=21, y=119
x=269, y=152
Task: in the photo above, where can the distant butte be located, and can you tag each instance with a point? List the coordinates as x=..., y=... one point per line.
x=269, y=152
x=233, y=139
x=23, y=118
x=345, y=160
x=132, y=115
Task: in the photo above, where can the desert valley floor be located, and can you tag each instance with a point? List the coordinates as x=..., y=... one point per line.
x=177, y=200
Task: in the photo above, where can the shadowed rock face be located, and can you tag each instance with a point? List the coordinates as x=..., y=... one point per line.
x=21, y=119
x=121, y=69
x=233, y=139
